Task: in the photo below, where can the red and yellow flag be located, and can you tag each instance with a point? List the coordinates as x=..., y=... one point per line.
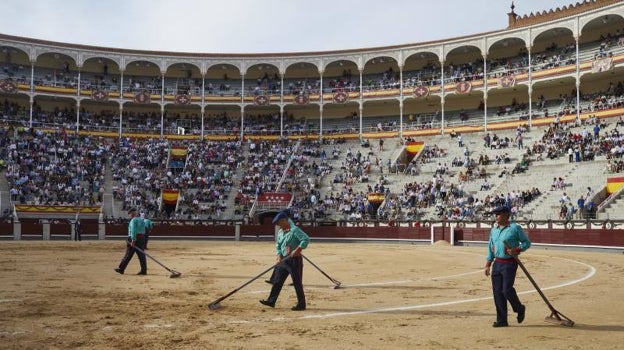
x=179, y=152
x=414, y=147
x=170, y=196
x=614, y=184
x=376, y=197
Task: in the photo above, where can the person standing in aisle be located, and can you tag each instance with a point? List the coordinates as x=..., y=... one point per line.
x=136, y=238
x=77, y=230
x=504, y=266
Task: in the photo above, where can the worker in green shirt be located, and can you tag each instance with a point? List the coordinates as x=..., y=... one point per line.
x=503, y=264
x=136, y=238
x=290, y=242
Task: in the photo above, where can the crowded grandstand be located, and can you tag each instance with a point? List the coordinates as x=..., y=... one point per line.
x=529, y=117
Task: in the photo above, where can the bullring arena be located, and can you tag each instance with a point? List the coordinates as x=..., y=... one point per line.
x=390, y=158
x=62, y=295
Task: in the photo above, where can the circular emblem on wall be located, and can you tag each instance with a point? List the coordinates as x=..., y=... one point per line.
x=261, y=100
x=463, y=87
x=7, y=86
x=421, y=91
x=182, y=99
x=301, y=99
x=341, y=97
x=507, y=81
x=99, y=95
x=142, y=97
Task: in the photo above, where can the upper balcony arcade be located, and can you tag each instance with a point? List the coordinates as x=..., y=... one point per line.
x=443, y=77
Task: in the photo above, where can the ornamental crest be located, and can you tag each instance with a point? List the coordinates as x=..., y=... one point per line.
x=340, y=97
x=421, y=91
x=99, y=95
x=142, y=97
x=301, y=99
x=7, y=86
x=182, y=99
x=261, y=100
x=463, y=87
x=506, y=81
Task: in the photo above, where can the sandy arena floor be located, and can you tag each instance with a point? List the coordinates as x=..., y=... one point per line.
x=65, y=295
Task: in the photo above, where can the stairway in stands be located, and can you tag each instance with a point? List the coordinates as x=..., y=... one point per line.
x=5, y=199
x=108, y=200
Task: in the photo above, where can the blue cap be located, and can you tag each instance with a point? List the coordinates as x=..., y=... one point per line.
x=281, y=215
x=501, y=209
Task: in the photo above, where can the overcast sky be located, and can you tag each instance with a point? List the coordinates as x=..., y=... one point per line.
x=257, y=26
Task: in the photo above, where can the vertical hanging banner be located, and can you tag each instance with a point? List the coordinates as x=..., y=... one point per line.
x=614, y=184
x=414, y=147
x=170, y=200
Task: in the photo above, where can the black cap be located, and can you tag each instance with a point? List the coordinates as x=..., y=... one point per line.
x=501, y=209
x=132, y=210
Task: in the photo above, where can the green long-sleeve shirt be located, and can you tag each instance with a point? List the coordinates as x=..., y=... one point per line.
x=136, y=226
x=513, y=234
x=148, y=224
x=287, y=241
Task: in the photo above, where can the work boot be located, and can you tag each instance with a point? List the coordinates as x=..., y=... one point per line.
x=267, y=303
x=298, y=307
x=119, y=271
x=521, y=313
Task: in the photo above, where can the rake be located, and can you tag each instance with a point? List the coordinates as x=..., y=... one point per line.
x=215, y=305
x=174, y=273
x=555, y=316
x=335, y=282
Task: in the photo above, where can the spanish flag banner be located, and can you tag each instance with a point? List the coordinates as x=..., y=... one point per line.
x=170, y=200
x=179, y=152
x=414, y=147
x=376, y=197
x=170, y=197
x=614, y=184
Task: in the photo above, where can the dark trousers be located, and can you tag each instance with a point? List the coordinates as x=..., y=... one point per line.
x=140, y=243
x=293, y=267
x=503, y=278
x=274, y=273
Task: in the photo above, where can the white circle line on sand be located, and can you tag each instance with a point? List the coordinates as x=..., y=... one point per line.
x=591, y=273
x=157, y=325
x=372, y=284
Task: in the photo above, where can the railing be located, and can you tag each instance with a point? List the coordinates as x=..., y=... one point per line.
x=610, y=199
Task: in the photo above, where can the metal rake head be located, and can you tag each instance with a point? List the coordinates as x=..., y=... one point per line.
x=214, y=306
